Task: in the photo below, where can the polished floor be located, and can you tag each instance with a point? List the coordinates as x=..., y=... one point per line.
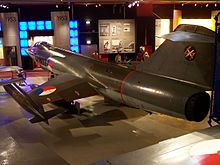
x=196, y=148
x=102, y=131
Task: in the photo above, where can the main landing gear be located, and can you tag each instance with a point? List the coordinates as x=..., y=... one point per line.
x=75, y=108
x=72, y=107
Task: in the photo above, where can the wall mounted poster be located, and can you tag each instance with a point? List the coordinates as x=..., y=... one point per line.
x=116, y=36
x=104, y=30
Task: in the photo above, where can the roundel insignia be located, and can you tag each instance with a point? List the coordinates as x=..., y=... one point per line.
x=206, y=152
x=46, y=90
x=190, y=53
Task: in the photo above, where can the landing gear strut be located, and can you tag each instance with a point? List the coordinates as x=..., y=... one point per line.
x=72, y=107
x=75, y=107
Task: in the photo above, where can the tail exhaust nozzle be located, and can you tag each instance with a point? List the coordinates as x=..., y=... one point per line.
x=197, y=107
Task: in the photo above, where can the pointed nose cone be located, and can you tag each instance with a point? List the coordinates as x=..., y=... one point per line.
x=30, y=52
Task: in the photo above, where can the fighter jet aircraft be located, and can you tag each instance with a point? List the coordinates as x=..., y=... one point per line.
x=173, y=81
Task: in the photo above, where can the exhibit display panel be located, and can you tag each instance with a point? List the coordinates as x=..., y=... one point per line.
x=24, y=27
x=162, y=26
x=74, y=41
x=202, y=22
x=33, y=40
x=117, y=36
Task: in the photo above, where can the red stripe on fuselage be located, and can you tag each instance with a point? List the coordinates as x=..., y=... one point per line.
x=122, y=85
x=50, y=63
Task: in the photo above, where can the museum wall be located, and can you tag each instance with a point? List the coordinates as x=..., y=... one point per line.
x=145, y=24
x=83, y=13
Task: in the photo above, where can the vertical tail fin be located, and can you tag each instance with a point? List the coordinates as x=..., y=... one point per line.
x=186, y=55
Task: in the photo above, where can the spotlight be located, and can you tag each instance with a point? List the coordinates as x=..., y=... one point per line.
x=68, y=7
x=88, y=22
x=182, y=4
x=86, y=4
x=215, y=4
x=88, y=42
x=133, y=3
x=5, y=6
x=195, y=4
x=207, y=5
x=100, y=5
x=96, y=5
x=57, y=6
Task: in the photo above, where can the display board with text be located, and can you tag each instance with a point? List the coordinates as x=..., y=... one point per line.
x=116, y=36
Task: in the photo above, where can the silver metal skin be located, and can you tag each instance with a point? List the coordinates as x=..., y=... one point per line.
x=150, y=86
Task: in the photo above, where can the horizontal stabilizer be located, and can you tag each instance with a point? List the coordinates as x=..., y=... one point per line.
x=47, y=115
x=22, y=98
x=10, y=68
x=13, y=80
x=181, y=36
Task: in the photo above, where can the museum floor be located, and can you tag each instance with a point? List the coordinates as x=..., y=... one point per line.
x=101, y=132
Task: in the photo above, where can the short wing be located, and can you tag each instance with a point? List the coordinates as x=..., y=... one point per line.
x=65, y=87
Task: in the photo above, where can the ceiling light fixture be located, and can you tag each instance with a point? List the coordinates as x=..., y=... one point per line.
x=133, y=3
x=88, y=22
x=4, y=6
x=88, y=42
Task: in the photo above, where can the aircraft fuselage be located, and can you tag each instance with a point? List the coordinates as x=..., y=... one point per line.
x=123, y=85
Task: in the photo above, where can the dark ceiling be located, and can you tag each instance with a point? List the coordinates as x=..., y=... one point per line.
x=102, y=1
